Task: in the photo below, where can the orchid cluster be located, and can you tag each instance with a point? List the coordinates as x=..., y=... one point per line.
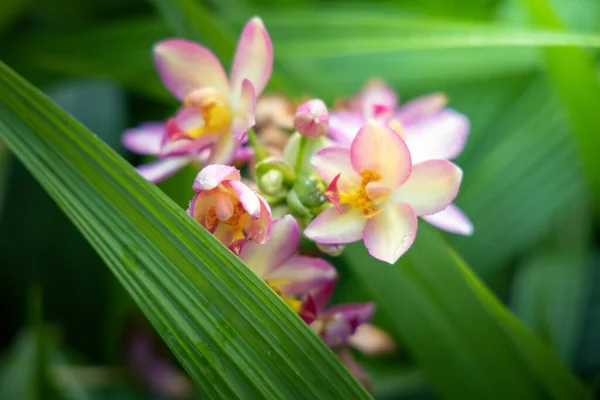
x=364, y=169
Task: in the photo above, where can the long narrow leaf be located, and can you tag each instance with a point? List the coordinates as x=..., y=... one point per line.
x=234, y=336
x=5, y=159
x=467, y=343
x=575, y=78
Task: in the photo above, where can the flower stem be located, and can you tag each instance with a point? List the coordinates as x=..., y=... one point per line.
x=301, y=151
x=259, y=151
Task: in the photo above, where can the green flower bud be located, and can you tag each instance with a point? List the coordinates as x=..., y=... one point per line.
x=274, y=177
x=310, y=190
x=271, y=183
x=272, y=163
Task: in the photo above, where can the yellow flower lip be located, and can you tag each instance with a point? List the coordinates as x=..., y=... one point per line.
x=276, y=284
x=215, y=110
x=360, y=198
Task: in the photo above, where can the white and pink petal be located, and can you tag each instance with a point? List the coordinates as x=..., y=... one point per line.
x=377, y=98
x=356, y=313
x=224, y=149
x=335, y=227
x=451, y=219
x=159, y=170
x=253, y=58
x=438, y=136
x=244, y=115
x=344, y=319
x=145, y=139
x=248, y=197
x=379, y=149
x=344, y=125
x=431, y=187
x=259, y=229
x=421, y=107
x=264, y=258
x=333, y=161
x=185, y=66
x=391, y=232
x=302, y=274
x=212, y=175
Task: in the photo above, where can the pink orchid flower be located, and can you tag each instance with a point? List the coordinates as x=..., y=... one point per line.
x=228, y=208
x=216, y=112
x=148, y=139
x=378, y=193
x=292, y=276
x=430, y=130
x=337, y=324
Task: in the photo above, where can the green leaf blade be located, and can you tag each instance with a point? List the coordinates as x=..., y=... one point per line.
x=468, y=345
x=233, y=335
x=573, y=74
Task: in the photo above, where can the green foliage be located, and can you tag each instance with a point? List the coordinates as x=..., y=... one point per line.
x=530, y=167
x=575, y=77
x=441, y=311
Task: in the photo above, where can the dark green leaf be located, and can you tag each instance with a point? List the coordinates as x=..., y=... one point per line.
x=467, y=344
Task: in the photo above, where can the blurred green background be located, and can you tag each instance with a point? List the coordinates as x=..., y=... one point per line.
x=530, y=164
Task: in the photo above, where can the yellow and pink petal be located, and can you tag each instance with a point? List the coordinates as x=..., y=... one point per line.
x=334, y=161
x=184, y=134
x=202, y=210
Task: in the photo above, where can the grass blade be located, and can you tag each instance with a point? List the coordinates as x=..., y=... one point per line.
x=234, y=336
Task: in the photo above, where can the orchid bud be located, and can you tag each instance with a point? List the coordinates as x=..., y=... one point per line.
x=274, y=177
x=310, y=190
x=333, y=250
x=312, y=119
x=271, y=182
